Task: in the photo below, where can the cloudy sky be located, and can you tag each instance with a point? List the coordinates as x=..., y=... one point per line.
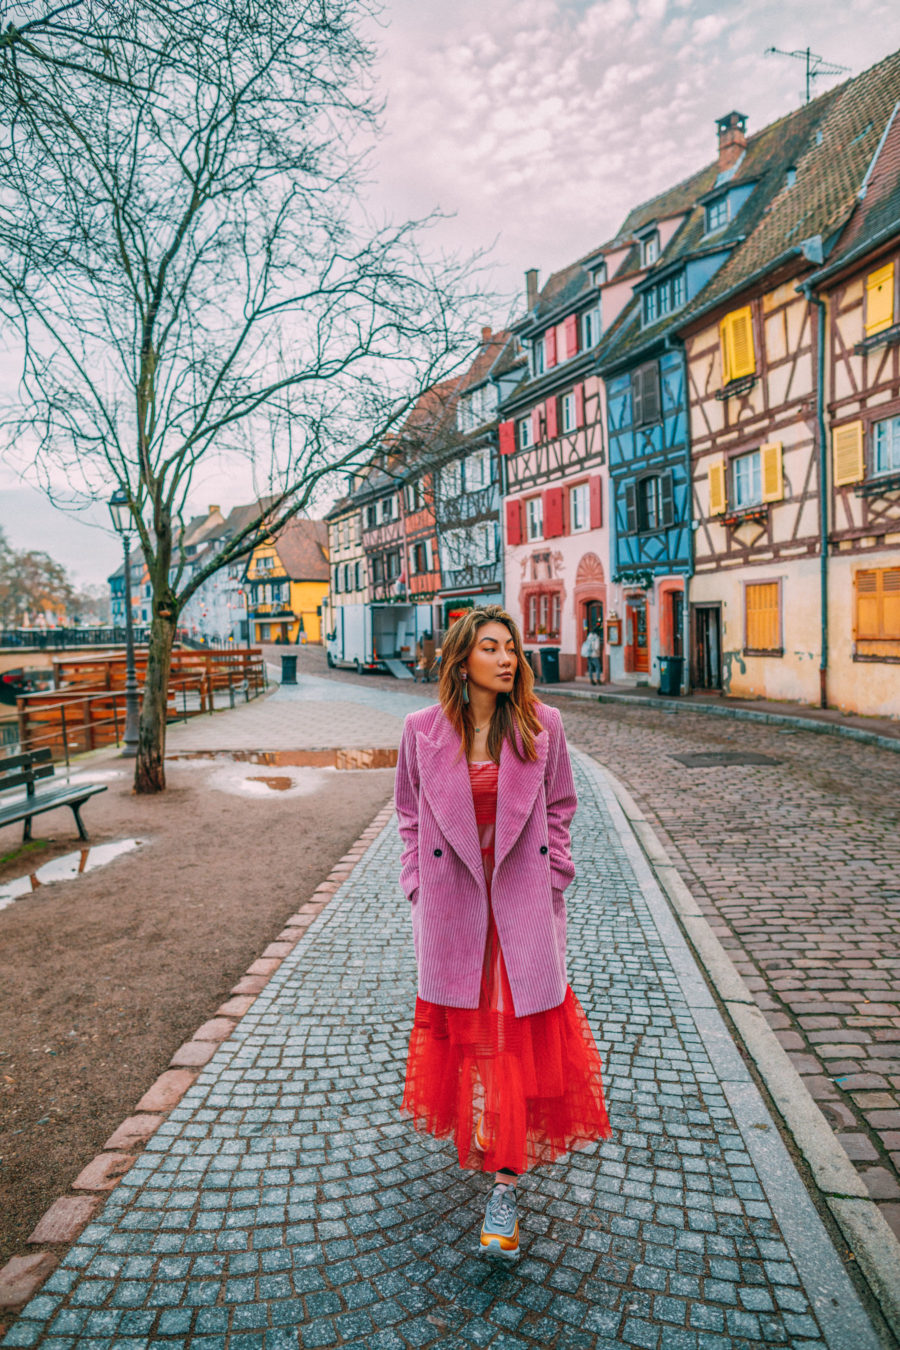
x=537, y=124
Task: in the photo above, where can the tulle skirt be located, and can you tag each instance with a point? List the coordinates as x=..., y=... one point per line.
x=512, y=1091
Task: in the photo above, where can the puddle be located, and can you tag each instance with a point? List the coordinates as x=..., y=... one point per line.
x=354, y=757
x=65, y=868
x=237, y=779
x=276, y=784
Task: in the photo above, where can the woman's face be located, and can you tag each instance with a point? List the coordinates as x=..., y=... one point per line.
x=492, y=662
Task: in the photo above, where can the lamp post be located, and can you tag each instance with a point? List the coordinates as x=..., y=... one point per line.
x=121, y=519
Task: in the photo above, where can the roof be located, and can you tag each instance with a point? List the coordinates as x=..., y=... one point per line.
x=876, y=214
x=781, y=145
x=302, y=547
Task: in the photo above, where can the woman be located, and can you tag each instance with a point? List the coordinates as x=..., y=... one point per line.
x=501, y=1055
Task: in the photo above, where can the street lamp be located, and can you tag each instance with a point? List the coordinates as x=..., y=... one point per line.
x=120, y=511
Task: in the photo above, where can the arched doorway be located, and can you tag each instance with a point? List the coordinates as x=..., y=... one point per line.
x=590, y=609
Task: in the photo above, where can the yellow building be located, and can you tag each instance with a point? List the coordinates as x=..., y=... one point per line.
x=287, y=584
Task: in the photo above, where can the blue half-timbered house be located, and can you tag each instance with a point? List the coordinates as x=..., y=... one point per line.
x=683, y=237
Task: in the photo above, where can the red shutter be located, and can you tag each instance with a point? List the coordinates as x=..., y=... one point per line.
x=550, y=348
x=507, y=438
x=552, y=419
x=571, y=327
x=579, y=405
x=596, y=495
x=536, y=425
x=553, y=512
x=514, y=522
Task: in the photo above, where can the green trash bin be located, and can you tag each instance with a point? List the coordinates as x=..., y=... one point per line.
x=671, y=669
x=288, y=670
x=550, y=665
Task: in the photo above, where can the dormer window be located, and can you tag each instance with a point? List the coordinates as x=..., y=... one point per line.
x=664, y=298
x=650, y=249
x=717, y=214
x=790, y=176
x=537, y=356
x=590, y=329
x=598, y=276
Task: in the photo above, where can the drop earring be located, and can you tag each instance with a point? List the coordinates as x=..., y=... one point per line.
x=465, y=684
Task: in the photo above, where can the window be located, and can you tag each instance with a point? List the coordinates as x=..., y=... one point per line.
x=524, y=432
x=419, y=557
x=717, y=214
x=746, y=478
x=534, y=511
x=537, y=357
x=337, y=580
x=478, y=470
x=371, y=516
x=880, y=299
x=878, y=611
x=650, y=305
x=579, y=508
x=886, y=446
x=359, y=577
x=451, y=479
x=394, y=564
x=645, y=394
x=378, y=570
x=590, y=329
x=664, y=298
x=265, y=564
x=736, y=345
x=648, y=503
x=568, y=412
x=415, y=495
x=389, y=507
x=762, y=617
x=650, y=249
x=532, y=613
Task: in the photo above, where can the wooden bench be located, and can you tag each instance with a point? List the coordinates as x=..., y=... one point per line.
x=25, y=771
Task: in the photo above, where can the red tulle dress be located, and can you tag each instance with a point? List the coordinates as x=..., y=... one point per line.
x=513, y=1091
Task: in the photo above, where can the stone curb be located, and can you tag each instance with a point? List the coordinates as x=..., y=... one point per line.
x=871, y=1240
x=673, y=705
x=59, y=1226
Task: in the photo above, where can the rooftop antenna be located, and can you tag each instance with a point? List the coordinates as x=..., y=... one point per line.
x=815, y=65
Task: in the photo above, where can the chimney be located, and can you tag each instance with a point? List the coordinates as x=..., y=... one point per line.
x=213, y=510
x=486, y=335
x=732, y=140
x=531, y=287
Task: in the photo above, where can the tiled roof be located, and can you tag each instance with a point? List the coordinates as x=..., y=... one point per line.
x=829, y=173
x=302, y=547
x=876, y=215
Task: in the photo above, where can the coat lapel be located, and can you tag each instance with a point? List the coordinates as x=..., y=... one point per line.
x=518, y=784
x=444, y=775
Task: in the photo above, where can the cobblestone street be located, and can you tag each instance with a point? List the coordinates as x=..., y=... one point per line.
x=284, y=1203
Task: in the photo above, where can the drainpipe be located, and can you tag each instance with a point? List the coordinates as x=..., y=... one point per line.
x=821, y=316
x=675, y=344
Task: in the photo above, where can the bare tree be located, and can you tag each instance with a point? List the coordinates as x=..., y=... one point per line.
x=186, y=258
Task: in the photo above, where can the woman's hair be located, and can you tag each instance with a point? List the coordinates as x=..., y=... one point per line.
x=515, y=710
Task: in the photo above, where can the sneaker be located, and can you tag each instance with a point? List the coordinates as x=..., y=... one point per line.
x=500, y=1230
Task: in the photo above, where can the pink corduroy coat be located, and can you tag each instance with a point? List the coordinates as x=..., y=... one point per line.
x=442, y=872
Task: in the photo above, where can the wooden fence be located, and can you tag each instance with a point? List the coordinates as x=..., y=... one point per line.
x=87, y=709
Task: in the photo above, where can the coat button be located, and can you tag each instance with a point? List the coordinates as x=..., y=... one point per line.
x=438, y=852
x=543, y=848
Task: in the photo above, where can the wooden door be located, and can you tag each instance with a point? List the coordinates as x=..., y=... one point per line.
x=593, y=615
x=675, y=601
x=637, y=633
x=706, y=656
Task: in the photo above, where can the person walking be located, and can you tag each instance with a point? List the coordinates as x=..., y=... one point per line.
x=592, y=648
x=501, y=1056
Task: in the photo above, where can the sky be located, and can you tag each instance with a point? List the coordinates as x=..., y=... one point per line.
x=536, y=125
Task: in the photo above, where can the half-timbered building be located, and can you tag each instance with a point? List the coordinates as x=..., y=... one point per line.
x=859, y=291
x=680, y=241
x=553, y=459
x=349, y=569
x=761, y=584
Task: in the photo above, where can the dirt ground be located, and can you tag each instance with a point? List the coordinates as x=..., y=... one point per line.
x=104, y=976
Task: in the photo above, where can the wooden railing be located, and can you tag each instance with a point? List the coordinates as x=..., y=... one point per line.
x=89, y=712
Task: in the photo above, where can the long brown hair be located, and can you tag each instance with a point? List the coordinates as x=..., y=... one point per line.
x=515, y=712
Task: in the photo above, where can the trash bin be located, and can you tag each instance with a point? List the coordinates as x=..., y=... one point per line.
x=532, y=659
x=550, y=665
x=671, y=669
x=288, y=670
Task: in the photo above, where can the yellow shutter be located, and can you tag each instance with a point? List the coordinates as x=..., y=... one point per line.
x=717, y=499
x=868, y=609
x=847, y=453
x=890, y=589
x=880, y=299
x=736, y=342
x=763, y=617
x=772, y=472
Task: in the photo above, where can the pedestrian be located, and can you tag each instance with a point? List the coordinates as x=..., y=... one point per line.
x=500, y=1056
x=592, y=648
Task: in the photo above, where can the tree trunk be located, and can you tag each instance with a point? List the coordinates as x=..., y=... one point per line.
x=150, y=765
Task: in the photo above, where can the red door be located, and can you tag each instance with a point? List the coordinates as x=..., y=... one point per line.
x=636, y=613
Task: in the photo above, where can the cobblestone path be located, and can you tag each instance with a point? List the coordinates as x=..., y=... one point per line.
x=284, y=1203
x=796, y=866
